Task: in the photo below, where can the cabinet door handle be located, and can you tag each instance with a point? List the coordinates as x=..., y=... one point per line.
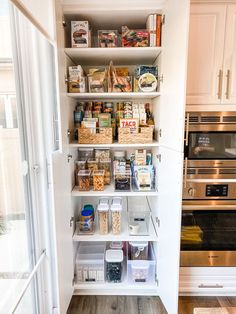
x=220, y=76
x=210, y=286
x=227, y=84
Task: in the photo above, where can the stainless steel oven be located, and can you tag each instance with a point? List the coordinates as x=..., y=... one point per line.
x=210, y=156
x=208, y=234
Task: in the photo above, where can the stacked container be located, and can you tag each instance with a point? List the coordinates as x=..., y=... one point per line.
x=116, y=211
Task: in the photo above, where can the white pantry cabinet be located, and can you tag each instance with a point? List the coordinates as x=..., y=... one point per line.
x=168, y=106
x=211, y=55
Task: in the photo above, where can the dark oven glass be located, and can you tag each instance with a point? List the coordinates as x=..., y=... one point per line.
x=211, y=145
x=208, y=230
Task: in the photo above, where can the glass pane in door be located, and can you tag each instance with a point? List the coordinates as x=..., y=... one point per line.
x=212, y=145
x=16, y=253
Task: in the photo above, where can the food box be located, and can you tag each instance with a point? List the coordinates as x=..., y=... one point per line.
x=77, y=80
x=107, y=38
x=80, y=35
x=134, y=37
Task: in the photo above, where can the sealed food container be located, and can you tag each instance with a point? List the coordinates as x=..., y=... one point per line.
x=92, y=164
x=142, y=271
x=79, y=165
x=98, y=180
x=103, y=217
x=116, y=212
x=116, y=245
x=119, y=162
x=114, y=259
x=106, y=166
x=102, y=153
x=123, y=181
x=107, y=38
x=84, y=180
x=85, y=153
x=138, y=216
x=134, y=37
x=139, y=250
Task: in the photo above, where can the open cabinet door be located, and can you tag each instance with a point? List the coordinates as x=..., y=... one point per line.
x=64, y=229
x=169, y=214
x=173, y=69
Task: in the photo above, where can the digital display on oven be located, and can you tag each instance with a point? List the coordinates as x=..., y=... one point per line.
x=217, y=190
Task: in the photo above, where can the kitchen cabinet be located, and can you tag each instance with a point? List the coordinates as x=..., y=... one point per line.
x=168, y=106
x=211, y=56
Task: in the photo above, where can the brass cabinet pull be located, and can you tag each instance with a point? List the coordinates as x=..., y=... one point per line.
x=210, y=286
x=220, y=84
x=227, y=84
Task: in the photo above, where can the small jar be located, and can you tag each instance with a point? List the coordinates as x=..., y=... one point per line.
x=98, y=180
x=116, y=210
x=79, y=165
x=106, y=166
x=114, y=259
x=84, y=180
x=103, y=217
x=139, y=250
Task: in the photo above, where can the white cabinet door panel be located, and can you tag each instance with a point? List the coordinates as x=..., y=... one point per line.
x=229, y=89
x=205, y=55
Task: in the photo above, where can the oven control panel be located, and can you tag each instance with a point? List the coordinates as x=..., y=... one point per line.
x=217, y=190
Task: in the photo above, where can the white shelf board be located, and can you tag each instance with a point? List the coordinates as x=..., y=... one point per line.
x=153, y=144
x=123, y=236
x=109, y=191
x=119, y=55
x=94, y=96
x=123, y=288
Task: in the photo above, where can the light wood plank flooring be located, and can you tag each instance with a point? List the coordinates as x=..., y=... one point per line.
x=141, y=305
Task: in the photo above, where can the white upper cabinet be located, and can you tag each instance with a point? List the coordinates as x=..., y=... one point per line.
x=229, y=88
x=205, y=55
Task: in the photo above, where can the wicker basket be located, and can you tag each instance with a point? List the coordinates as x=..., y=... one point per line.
x=102, y=136
x=144, y=136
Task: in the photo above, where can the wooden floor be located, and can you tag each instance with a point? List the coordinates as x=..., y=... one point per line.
x=141, y=305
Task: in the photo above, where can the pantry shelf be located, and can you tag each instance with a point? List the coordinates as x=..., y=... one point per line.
x=123, y=236
x=116, y=144
x=123, y=288
x=119, y=55
x=96, y=96
x=109, y=191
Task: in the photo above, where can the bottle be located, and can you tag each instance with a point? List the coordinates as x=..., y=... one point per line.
x=78, y=115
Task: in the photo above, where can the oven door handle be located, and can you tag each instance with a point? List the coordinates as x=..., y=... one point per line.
x=210, y=286
x=185, y=171
x=187, y=130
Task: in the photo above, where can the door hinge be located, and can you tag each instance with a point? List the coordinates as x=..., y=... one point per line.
x=69, y=156
x=66, y=79
x=73, y=282
x=68, y=133
x=160, y=132
x=163, y=19
x=36, y=168
x=160, y=78
x=158, y=221
x=71, y=221
x=159, y=157
x=64, y=23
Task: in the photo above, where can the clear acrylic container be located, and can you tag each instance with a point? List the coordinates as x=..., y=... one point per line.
x=85, y=153
x=123, y=181
x=138, y=215
x=98, y=180
x=106, y=166
x=103, y=217
x=102, y=154
x=79, y=165
x=114, y=260
x=92, y=165
x=116, y=215
x=139, y=250
x=84, y=180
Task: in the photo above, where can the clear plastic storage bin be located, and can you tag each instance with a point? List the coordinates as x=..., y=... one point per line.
x=123, y=181
x=84, y=180
x=139, y=250
x=89, y=264
x=114, y=260
x=139, y=216
x=141, y=271
x=116, y=214
x=103, y=216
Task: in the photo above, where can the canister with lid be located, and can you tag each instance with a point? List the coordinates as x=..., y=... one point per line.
x=114, y=259
x=116, y=211
x=103, y=217
x=139, y=250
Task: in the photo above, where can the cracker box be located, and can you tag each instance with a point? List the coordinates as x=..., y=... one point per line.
x=80, y=34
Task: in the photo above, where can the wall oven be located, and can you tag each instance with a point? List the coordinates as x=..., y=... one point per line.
x=208, y=236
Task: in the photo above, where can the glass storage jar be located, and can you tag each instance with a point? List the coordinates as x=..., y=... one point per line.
x=139, y=250
x=114, y=259
x=84, y=180
x=98, y=180
x=103, y=217
x=116, y=210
